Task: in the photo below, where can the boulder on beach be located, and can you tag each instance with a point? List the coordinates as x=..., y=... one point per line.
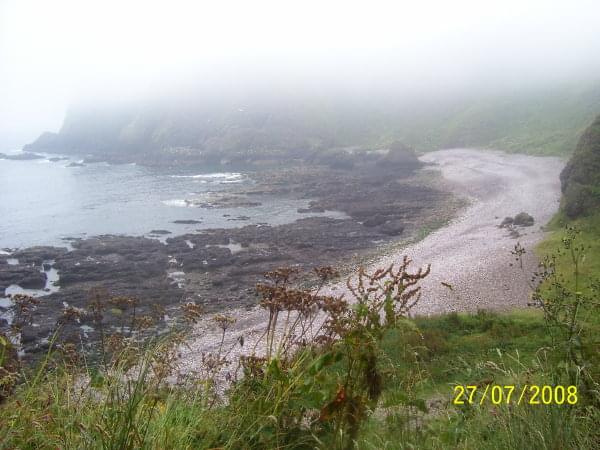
x=523, y=220
x=520, y=220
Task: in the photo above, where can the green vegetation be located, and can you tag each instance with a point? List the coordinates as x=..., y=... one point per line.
x=581, y=177
x=589, y=228
x=544, y=122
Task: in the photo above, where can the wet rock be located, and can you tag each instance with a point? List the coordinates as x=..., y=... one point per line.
x=25, y=276
x=160, y=232
x=508, y=221
x=35, y=280
x=311, y=209
x=523, y=220
x=239, y=218
x=375, y=221
x=392, y=228
x=37, y=255
x=187, y=222
x=25, y=156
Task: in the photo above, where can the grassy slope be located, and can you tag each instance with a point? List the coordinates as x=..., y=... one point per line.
x=542, y=122
x=590, y=237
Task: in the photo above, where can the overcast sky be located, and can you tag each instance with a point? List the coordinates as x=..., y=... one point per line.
x=54, y=53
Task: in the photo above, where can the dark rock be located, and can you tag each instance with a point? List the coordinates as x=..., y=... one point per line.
x=47, y=266
x=399, y=155
x=508, y=221
x=160, y=232
x=337, y=159
x=375, y=221
x=187, y=222
x=25, y=156
x=37, y=255
x=239, y=218
x=33, y=281
x=75, y=164
x=28, y=335
x=523, y=220
x=392, y=228
x=311, y=209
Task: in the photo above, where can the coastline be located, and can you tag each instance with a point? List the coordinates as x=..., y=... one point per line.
x=217, y=268
x=471, y=253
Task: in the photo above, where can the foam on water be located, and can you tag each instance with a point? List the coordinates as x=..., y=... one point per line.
x=230, y=176
x=179, y=202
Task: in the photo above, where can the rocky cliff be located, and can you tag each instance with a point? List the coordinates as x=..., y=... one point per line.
x=580, y=179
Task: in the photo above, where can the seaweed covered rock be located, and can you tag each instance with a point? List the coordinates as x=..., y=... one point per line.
x=580, y=179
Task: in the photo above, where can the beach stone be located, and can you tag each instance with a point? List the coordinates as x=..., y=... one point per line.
x=523, y=219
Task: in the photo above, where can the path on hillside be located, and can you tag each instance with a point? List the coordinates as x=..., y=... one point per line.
x=471, y=254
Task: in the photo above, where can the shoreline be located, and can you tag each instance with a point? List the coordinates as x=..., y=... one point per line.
x=471, y=253
x=217, y=268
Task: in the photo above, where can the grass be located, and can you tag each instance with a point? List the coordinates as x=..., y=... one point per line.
x=533, y=121
x=589, y=227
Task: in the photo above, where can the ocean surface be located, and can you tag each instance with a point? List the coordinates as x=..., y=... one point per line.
x=43, y=202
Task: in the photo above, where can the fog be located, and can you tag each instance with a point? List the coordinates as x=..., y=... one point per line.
x=59, y=53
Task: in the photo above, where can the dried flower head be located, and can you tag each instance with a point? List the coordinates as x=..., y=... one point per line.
x=191, y=312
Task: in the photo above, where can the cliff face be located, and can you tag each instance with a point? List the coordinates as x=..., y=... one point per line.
x=580, y=179
x=208, y=133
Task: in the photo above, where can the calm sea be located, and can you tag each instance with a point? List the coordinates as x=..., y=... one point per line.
x=43, y=202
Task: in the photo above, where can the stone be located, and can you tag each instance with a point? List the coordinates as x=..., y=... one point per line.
x=523, y=220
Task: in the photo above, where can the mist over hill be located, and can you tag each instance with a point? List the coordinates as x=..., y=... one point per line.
x=217, y=128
